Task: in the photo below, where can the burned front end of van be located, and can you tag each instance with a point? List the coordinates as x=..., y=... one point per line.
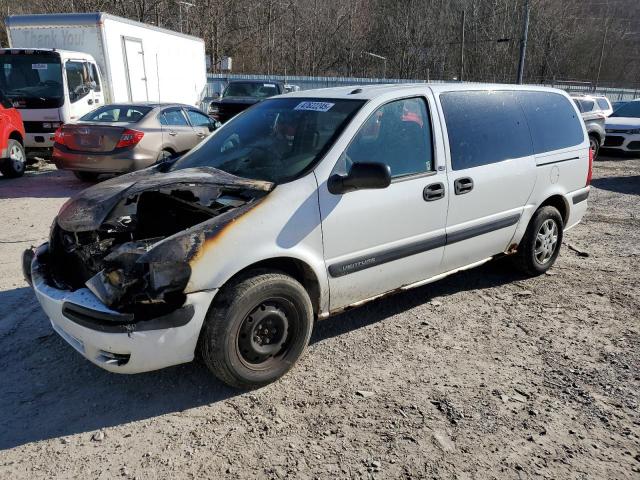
x=119, y=253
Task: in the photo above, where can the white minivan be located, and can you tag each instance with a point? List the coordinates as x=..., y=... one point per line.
x=302, y=206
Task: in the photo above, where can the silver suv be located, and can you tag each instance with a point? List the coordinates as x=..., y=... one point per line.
x=594, y=119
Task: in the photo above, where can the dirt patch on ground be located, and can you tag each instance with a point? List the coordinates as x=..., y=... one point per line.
x=484, y=374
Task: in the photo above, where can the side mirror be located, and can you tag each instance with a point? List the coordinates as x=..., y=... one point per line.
x=361, y=176
x=215, y=95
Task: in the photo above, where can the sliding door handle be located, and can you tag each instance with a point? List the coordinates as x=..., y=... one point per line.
x=463, y=185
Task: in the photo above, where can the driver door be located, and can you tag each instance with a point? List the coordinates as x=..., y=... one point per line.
x=376, y=241
x=80, y=90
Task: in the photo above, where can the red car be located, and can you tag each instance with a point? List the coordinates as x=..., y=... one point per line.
x=12, y=157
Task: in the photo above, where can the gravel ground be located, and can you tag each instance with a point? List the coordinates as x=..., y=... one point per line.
x=482, y=375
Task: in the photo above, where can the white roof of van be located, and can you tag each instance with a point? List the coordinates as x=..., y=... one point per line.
x=368, y=92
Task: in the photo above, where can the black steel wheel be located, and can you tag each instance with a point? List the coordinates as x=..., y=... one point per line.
x=256, y=329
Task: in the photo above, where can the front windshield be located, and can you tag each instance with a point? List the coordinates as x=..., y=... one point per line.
x=276, y=140
x=631, y=109
x=250, y=89
x=32, y=81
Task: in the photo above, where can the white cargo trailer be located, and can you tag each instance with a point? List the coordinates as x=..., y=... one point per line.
x=61, y=66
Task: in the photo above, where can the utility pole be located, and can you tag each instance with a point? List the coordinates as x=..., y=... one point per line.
x=462, y=47
x=604, y=40
x=375, y=55
x=523, y=41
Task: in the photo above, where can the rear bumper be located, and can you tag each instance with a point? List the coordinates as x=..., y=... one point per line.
x=577, y=206
x=38, y=140
x=120, y=162
x=87, y=325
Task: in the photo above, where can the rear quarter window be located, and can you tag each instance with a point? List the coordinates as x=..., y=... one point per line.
x=484, y=127
x=553, y=121
x=603, y=103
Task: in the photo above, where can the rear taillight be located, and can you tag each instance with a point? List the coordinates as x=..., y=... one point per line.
x=130, y=138
x=58, y=137
x=590, y=172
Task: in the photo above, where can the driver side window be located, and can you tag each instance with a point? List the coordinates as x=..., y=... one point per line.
x=398, y=134
x=79, y=79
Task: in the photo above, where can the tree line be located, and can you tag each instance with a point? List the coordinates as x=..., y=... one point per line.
x=595, y=41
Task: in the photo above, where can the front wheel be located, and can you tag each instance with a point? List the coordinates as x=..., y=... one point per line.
x=14, y=165
x=540, y=245
x=256, y=329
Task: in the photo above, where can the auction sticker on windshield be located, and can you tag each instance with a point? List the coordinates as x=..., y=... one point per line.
x=39, y=66
x=315, y=106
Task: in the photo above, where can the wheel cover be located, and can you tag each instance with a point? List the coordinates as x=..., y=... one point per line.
x=546, y=241
x=264, y=332
x=17, y=158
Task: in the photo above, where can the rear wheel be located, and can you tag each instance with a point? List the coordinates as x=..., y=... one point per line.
x=14, y=165
x=594, y=145
x=540, y=245
x=164, y=155
x=86, y=176
x=256, y=329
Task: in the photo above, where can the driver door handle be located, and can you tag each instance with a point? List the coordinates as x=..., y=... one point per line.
x=200, y=134
x=90, y=102
x=432, y=192
x=172, y=133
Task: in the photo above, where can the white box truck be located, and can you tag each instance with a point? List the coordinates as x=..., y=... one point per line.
x=61, y=66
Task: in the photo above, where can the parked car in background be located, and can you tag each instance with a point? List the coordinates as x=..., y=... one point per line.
x=12, y=157
x=62, y=66
x=126, y=137
x=618, y=104
x=604, y=104
x=594, y=119
x=240, y=95
x=297, y=210
x=623, y=128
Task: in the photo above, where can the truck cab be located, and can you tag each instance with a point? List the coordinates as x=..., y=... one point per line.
x=49, y=87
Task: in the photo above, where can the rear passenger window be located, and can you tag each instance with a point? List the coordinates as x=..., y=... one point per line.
x=484, y=127
x=398, y=134
x=174, y=117
x=553, y=121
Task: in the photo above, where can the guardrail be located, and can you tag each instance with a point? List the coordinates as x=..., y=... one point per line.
x=217, y=81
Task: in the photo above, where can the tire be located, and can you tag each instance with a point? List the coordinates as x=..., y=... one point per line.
x=164, y=155
x=233, y=344
x=14, y=165
x=594, y=144
x=532, y=257
x=86, y=176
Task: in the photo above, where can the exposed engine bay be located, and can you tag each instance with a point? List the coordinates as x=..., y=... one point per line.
x=130, y=239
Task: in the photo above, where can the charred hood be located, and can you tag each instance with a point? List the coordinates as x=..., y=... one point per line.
x=88, y=210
